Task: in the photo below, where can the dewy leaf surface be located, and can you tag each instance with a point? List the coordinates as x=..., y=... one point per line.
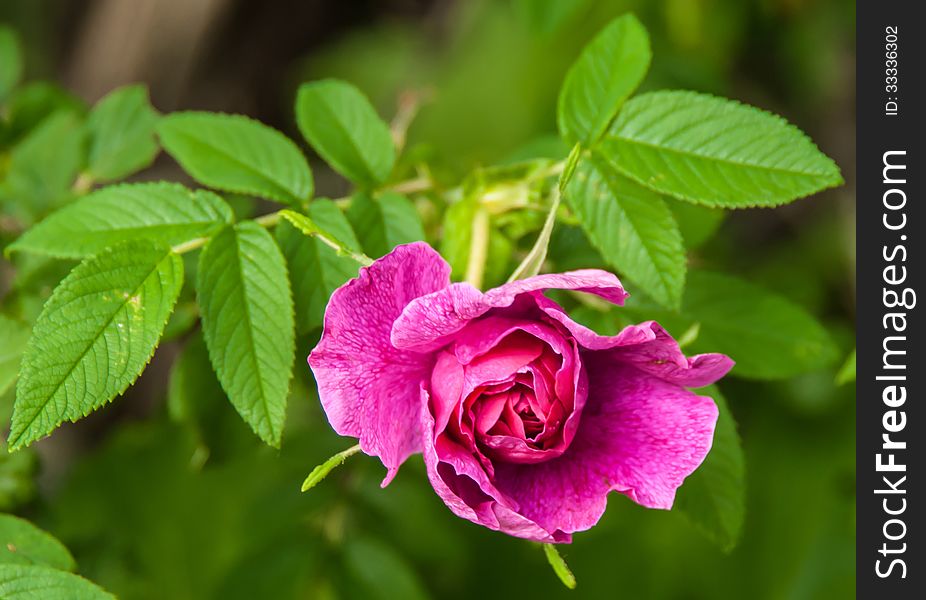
x=715, y=152
x=247, y=314
x=121, y=129
x=316, y=269
x=237, y=154
x=164, y=212
x=609, y=69
x=94, y=336
x=33, y=582
x=343, y=127
x=23, y=543
x=714, y=496
x=632, y=228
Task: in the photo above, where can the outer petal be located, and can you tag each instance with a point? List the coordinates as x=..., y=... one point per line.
x=649, y=347
x=461, y=482
x=370, y=389
x=429, y=322
x=639, y=435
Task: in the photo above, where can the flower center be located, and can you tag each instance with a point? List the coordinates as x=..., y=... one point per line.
x=518, y=413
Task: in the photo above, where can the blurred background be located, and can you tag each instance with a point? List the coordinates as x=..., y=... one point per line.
x=152, y=508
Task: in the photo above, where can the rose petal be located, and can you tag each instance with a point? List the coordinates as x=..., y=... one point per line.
x=460, y=481
x=649, y=347
x=428, y=322
x=639, y=435
x=368, y=388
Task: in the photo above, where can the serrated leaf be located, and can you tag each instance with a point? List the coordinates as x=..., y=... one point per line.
x=316, y=269
x=714, y=496
x=13, y=339
x=162, y=212
x=605, y=74
x=632, y=228
x=237, y=154
x=23, y=543
x=121, y=130
x=33, y=582
x=11, y=63
x=562, y=570
x=343, y=127
x=384, y=223
x=768, y=336
x=715, y=151
x=247, y=314
x=94, y=337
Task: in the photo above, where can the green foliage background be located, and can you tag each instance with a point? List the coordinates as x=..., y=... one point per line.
x=169, y=494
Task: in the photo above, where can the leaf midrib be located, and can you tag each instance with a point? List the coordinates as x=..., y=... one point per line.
x=633, y=141
x=251, y=345
x=246, y=167
x=14, y=441
x=674, y=298
x=372, y=178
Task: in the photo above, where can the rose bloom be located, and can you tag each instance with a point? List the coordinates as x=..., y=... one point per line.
x=527, y=419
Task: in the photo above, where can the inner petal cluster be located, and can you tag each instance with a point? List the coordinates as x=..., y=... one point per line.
x=510, y=390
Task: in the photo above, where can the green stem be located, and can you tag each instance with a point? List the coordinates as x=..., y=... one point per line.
x=478, y=248
x=480, y=241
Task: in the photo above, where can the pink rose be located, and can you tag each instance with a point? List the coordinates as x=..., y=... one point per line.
x=527, y=420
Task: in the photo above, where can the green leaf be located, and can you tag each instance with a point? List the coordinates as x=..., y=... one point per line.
x=33, y=582
x=714, y=496
x=34, y=102
x=237, y=154
x=384, y=223
x=322, y=470
x=44, y=165
x=163, y=212
x=715, y=152
x=343, y=127
x=768, y=336
x=247, y=314
x=13, y=338
x=308, y=227
x=632, y=228
x=11, y=63
x=605, y=74
x=315, y=268
x=696, y=223
x=121, y=128
x=846, y=373
x=23, y=543
x=559, y=565
x=94, y=337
